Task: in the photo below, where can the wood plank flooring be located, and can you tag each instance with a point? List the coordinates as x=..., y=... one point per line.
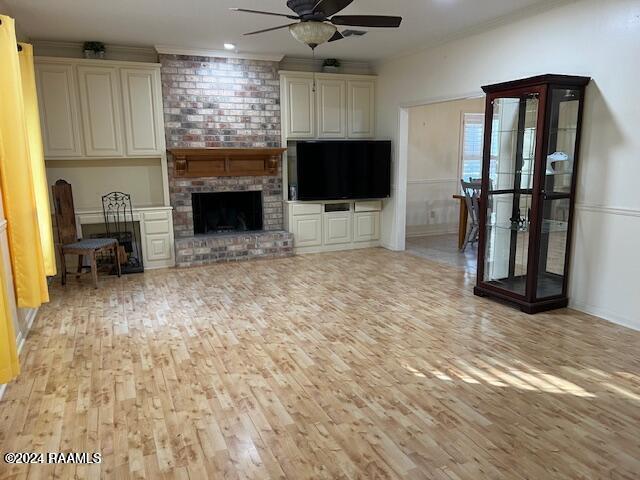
x=365, y=364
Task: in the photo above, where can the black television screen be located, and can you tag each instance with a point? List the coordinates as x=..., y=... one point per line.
x=333, y=170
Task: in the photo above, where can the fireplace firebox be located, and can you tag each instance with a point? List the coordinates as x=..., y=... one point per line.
x=225, y=212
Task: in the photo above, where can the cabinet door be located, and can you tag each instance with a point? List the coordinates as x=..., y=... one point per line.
x=59, y=114
x=157, y=233
x=307, y=230
x=337, y=228
x=332, y=108
x=300, y=117
x=360, y=109
x=158, y=247
x=101, y=116
x=140, y=91
x=366, y=226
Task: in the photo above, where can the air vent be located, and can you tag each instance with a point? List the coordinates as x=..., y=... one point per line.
x=353, y=33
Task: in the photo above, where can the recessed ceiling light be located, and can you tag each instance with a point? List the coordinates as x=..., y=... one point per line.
x=229, y=46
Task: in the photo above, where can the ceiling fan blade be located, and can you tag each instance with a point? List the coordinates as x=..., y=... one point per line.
x=260, y=12
x=330, y=7
x=367, y=21
x=336, y=36
x=270, y=29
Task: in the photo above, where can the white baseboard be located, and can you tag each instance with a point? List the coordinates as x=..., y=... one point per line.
x=605, y=315
x=431, y=230
x=20, y=339
x=31, y=317
x=336, y=248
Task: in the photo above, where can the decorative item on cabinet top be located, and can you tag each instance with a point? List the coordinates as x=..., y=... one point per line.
x=226, y=162
x=100, y=108
x=331, y=65
x=93, y=50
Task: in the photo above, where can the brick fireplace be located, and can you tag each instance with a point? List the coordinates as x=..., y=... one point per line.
x=223, y=102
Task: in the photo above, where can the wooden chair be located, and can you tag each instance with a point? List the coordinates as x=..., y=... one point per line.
x=471, y=192
x=67, y=235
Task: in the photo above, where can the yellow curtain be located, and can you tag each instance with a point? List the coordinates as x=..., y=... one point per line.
x=9, y=366
x=16, y=178
x=36, y=155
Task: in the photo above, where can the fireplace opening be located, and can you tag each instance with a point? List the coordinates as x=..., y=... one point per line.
x=223, y=212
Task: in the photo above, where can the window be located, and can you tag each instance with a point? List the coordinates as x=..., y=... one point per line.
x=472, y=141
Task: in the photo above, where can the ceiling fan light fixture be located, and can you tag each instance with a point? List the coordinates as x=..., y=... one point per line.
x=312, y=33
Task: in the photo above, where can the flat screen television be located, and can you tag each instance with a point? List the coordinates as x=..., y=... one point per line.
x=351, y=169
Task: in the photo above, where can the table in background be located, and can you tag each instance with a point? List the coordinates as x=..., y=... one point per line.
x=462, y=222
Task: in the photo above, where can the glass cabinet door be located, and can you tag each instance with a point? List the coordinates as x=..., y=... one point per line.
x=557, y=190
x=510, y=191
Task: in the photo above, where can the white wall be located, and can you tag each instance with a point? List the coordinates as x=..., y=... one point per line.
x=22, y=318
x=591, y=37
x=433, y=167
x=92, y=178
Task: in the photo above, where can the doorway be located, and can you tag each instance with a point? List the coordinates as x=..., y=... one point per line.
x=444, y=144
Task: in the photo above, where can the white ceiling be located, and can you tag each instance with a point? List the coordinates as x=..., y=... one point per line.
x=207, y=24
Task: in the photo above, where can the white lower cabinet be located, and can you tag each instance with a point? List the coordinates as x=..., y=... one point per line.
x=366, y=226
x=337, y=228
x=158, y=248
x=331, y=226
x=158, y=239
x=307, y=230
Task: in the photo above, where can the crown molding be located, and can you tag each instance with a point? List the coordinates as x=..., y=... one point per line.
x=203, y=52
x=305, y=64
x=49, y=48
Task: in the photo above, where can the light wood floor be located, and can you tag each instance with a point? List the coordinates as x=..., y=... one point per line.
x=368, y=364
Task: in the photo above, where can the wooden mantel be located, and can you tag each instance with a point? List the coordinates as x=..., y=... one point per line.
x=225, y=162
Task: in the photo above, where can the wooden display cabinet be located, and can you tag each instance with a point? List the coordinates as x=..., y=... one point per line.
x=530, y=160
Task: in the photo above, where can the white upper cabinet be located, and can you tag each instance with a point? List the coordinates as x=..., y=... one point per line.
x=361, y=109
x=332, y=108
x=59, y=114
x=101, y=115
x=342, y=106
x=300, y=111
x=100, y=108
x=140, y=91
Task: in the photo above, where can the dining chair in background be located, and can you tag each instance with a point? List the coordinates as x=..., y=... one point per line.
x=471, y=192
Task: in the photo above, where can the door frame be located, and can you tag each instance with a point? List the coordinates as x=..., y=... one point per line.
x=398, y=237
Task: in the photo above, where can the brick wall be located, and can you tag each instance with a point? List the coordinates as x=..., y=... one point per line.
x=220, y=102
x=223, y=102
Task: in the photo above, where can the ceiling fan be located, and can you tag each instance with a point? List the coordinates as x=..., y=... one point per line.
x=317, y=21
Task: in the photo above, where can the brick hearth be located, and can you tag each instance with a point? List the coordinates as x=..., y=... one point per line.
x=220, y=102
x=205, y=249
